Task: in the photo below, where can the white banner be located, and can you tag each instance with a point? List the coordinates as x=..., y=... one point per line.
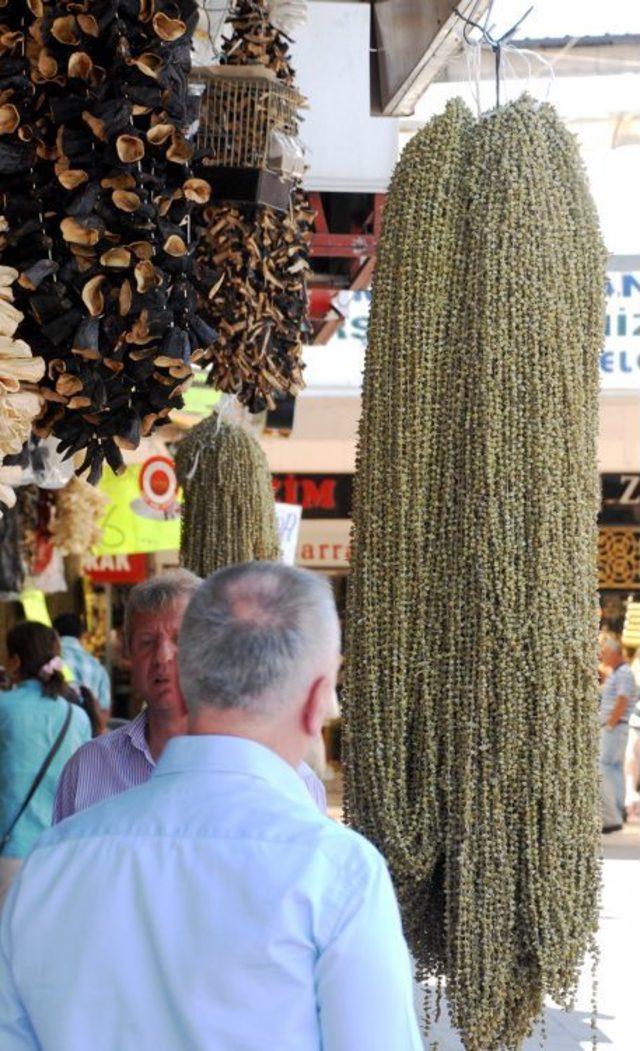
x=288, y=518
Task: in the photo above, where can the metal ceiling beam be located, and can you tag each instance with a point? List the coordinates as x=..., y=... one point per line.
x=413, y=40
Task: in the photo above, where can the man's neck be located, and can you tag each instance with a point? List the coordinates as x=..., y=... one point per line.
x=228, y=724
x=161, y=727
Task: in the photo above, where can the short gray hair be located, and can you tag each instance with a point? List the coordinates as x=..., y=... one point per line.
x=252, y=633
x=159, y=592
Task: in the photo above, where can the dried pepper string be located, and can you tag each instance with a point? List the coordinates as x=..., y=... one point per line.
x=470, y=694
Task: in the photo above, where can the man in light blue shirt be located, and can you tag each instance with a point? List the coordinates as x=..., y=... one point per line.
x=234, y=916
x=84, y=667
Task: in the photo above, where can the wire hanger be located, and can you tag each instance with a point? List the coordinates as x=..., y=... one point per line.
x=485, y=29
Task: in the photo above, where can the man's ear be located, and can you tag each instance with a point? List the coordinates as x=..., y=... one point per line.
x=315, y=707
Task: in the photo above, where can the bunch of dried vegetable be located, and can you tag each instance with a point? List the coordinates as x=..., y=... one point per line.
x=253, y=259
x=79, y=508
x=470, y=696
x=18, y=407
x=255, y=40
x=36, y=511
x=106, y=270
x=229, y=512
x=254, y=262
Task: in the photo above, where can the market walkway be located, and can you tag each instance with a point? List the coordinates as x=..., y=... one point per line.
x=618, y=972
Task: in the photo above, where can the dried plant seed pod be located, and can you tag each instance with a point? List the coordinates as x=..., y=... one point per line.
x=168, y=28
x=130, y=148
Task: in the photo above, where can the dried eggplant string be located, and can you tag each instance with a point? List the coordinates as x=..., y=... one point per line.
x=120, y=330
x=19, y=369
x=32, y=174
x=470, y=692
x=228, y=514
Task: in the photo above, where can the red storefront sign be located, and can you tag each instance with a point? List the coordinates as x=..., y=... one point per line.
x=116, y=569
x=319, y=495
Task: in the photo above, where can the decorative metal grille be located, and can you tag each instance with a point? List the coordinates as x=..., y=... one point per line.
x=618, y=557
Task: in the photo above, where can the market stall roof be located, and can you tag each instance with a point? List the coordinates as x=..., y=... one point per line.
x=419, y=41
x=413, y=40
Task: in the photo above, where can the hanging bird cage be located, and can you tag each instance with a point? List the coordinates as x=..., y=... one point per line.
x=247, y=137
x=242, y=107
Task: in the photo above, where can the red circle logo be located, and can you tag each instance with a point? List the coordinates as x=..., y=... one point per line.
x=158, y=482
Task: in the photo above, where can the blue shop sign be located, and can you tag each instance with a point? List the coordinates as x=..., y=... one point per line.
x=620, y=357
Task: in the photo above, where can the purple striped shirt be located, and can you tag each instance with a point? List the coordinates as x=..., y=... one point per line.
x=119, y=760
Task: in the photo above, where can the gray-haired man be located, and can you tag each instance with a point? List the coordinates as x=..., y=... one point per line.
x=240, y=917
x=125, y=758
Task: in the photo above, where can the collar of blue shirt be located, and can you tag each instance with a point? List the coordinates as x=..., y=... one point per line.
x=238, y=755
x=72, y=643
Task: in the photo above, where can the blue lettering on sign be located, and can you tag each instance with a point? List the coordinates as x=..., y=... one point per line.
x=360, y=326
x=630, y=284
x=619, y=361
x=623, y=292
x=606, y=361
x=622, y=285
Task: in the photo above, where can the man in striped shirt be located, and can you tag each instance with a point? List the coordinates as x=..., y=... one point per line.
x=126, y=757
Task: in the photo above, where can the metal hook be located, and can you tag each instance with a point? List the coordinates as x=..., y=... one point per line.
x=488, y=39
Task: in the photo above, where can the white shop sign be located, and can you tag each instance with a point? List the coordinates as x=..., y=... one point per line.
x=324, y=543
x=288, y=518
x=619, y=360
x=347, y=148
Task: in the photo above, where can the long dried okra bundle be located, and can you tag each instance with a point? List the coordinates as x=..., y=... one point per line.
x=470, y=697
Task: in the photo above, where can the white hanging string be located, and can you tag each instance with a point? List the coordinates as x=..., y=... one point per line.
x=213, y=14
x=505, y=52
x=473, y=56
x=546, y=67
x=224, y=412
x=194, y=466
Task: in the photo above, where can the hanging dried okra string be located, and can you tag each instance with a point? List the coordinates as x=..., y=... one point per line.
x=228, y=514
x=470, y=695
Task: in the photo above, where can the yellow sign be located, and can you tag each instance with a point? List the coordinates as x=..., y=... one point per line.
x=144, y=510
x=34, y=605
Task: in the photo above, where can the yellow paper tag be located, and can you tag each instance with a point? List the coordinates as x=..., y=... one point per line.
x=34, y=605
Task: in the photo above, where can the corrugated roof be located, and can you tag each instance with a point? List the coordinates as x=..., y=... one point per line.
x=584, y=41
x=570, y=18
